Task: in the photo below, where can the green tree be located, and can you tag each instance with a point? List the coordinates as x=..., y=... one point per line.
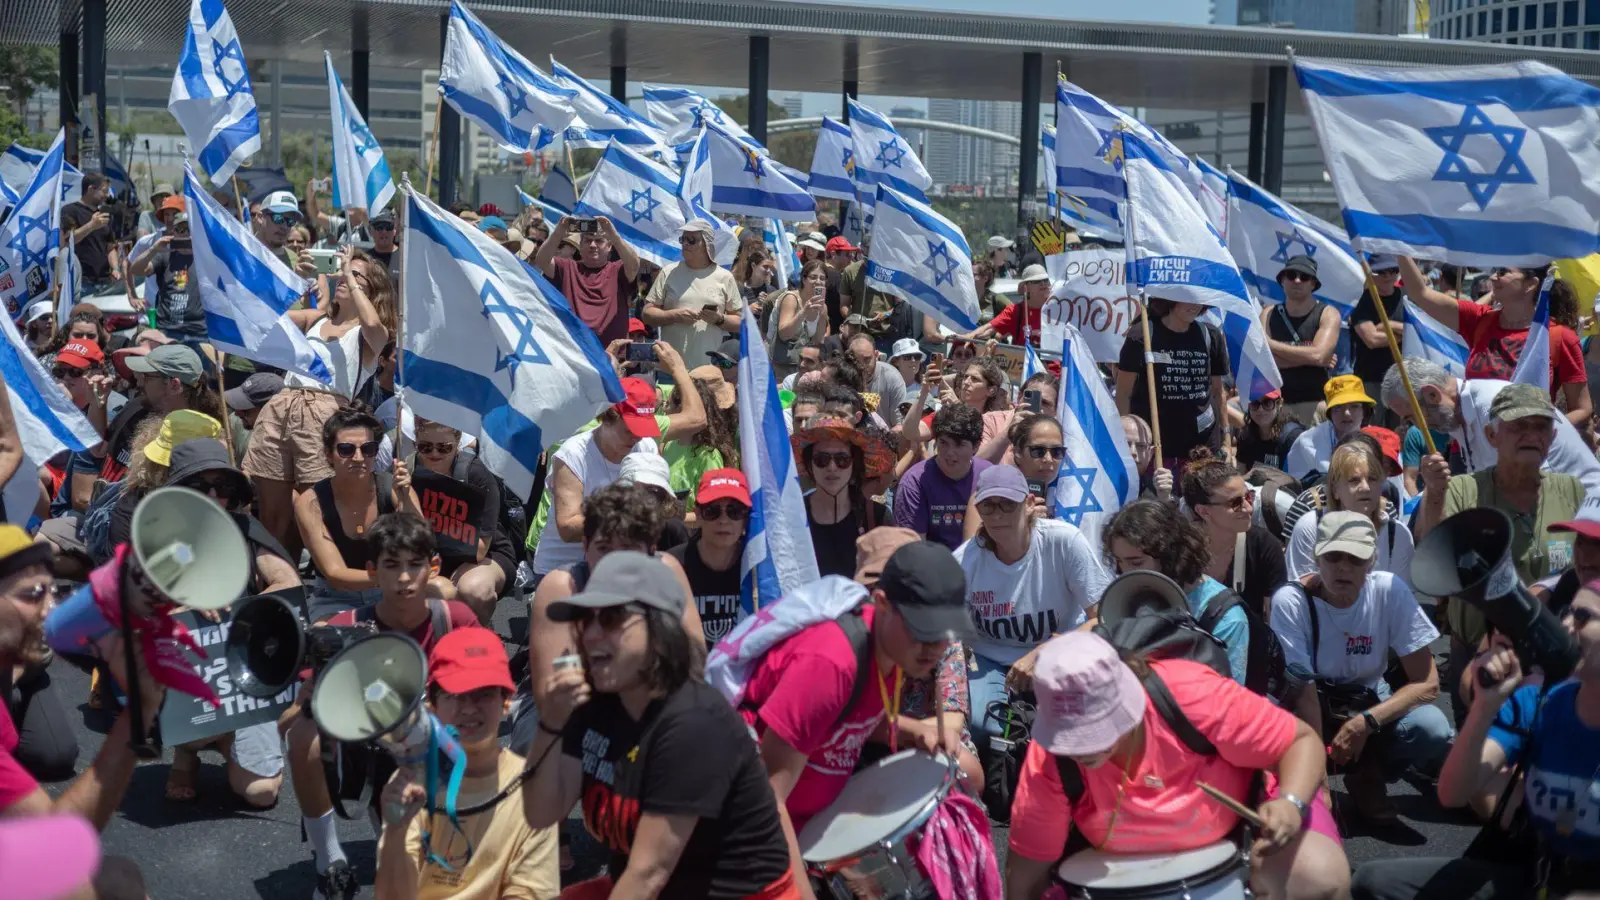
x=793, y=149
x=24, y=68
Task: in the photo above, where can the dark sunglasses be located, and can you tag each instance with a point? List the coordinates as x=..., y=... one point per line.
x=1040, y=452
x=66, y=372
x=1502, y=271
x=283, y=218
x=997, y=505
x=611, y=618
x=382, y=226
x=688, y=240
x=1341, y=558
x=443, y=447
x=1296, y=276
x=226, y=490
x=1237, y=504
x=1580, y=617
x=724, y=362
x=837, y=460
x=348, y=450
x=736, y=512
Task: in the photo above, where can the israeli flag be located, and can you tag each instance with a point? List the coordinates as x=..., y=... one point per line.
x=783, y=255
x=496, y=88
x=1534, y=365
x=559, y=190
x=602, y=118
x=833, y=163
x=1212, y=192
x=246, y=289
x=778, y=554
x=17, y=165
x=120, y=184
x=211, y=96
x=47, y=422
x=744, y=182
x=1174, y=252
x=30, y=237
x=69, y=274
x=1098, y=475
x=640, y=197
x=360, y=173
x=492, y=348
x=922, y=258
x=1427, y=338
x=550, y=214
x=1477, y=165
x=1087, y=177
x=883, y=157
x=680, y=112
x=1031, y=365
x=1265, y=232
x=695, y=189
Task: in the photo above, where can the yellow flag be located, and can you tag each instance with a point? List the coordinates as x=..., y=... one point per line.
x=1584, y=276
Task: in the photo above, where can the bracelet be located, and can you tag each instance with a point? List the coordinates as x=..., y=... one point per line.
x=1371, y=720
x=545, y=727
x=1305, y=812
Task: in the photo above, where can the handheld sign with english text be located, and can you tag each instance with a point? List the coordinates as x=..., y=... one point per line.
x=1089, y=291
x=185, y=718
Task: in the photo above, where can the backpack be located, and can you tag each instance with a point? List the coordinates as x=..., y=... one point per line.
x=1272, y=482
x=94, y=529
x=730, y=664
x=1265, y=672
x=437, y=610
x=1168, y=634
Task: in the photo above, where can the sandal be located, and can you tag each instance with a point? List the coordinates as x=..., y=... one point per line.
x=182, y=776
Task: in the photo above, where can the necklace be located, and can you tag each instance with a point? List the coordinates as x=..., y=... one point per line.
x=893, y=712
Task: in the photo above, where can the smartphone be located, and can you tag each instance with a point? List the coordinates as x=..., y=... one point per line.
x=327, y=261
x=567, y=661
x=586, y=226
x=1034, y=400
x=641, y=351
x=1039, y=489
x=711, y=308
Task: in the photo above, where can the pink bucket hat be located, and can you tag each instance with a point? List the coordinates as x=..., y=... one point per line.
x=1088, y=698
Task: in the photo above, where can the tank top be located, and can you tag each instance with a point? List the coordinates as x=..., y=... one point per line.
x=342, y=358
x=1301, y=384
x=353, y=550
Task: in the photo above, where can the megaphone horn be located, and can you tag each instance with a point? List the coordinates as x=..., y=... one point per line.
x=266, y=641
x=373, y=690
x=187, y=550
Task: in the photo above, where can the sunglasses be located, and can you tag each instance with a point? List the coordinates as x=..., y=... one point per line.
x=1296, y=276
x=1580, y=616
x=724, y=363
x=441, y=448
x=837, y=460
x=1340, y=558
x=1237, y=504
x=225, y=489
x=1392, y=273
x=736, y=512
x=688, y=240
x=611, y=618
x=1040, y=452
x=66, y=373
x=283, y=218
x=1268, y=402
x=382, y=226
x=999, y=505
x=348, y=450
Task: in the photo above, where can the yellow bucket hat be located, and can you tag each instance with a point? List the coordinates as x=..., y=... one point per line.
x=1344, y=389
x=179, y=426
x=18, y=551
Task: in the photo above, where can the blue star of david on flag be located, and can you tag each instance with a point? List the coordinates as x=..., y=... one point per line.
x=937, y=251
x=1286, y=242
x=1086, y=502
x=1106, y=136
x=752, y=163
x=706, y=110
x=527, y=349
x=362, y=137
x=1454, y=167
x=27, y=256
x=890, y=153
x=642, y=206
x=220, y=53
x=516, y=97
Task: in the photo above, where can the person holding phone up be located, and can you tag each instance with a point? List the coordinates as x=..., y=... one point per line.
x=799, y=320
x=694, y=302
x=179, y=312
x=599, y=287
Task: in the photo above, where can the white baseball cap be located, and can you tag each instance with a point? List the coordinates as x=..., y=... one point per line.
x=281, y=202
x=39, y=310
x=1001, y=242
x=646, y=468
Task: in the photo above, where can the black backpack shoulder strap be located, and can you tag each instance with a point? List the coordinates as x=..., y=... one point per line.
x=458, y=466
x=855, y=631
x=439, y=611
x=1170, y=711
x=1311, y=611
x=1217, y=607
x=367, y=615
x=1071, y=779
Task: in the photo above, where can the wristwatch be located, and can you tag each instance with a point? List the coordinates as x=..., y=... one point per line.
x=1371, y=720
x=1305, y=811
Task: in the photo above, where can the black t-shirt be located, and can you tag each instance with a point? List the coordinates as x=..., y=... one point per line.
x=178, y=307
x=830, y=299
x=1265, y=569
x=1254, y=449
x=1301, y=384
x=1185, y=363
x=119, y=440
x=836, y=544
x=689, y=755
x=673, y=534
x=1369, y=363
x=92, y=250
x=716, y=594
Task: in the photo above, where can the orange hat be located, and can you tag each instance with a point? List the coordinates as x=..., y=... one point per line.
x=174, y=203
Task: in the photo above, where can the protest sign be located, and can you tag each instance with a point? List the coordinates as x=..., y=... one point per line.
x=1089, y=289
x=454, y=509
x=185, y=718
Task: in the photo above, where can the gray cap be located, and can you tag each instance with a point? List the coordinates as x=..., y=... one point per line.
x=254, y=393
x=1034, y=272
x=623, y=577
x=1001, y=242
x=169, y=361
x=1380, y=261
x=1521, y=401
x=1303, y=264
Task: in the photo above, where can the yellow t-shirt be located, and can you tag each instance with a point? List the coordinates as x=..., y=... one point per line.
x=509, y=859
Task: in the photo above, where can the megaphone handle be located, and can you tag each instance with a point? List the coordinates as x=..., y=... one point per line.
x=139, y=739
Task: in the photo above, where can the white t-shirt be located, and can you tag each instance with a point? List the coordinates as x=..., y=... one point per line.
x=1016, y=608
x=1354, y=643
x=1303, y=543
x=1568, y=452
x=581, y=454
x=680, y=287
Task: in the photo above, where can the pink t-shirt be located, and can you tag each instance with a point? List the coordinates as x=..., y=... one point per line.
x=1163, y=810
x=15, y=782
x=798, y=690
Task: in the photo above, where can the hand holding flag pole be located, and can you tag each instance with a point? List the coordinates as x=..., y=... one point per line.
x=1399, y=359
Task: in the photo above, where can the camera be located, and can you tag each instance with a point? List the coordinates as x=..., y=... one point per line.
x=269, y=644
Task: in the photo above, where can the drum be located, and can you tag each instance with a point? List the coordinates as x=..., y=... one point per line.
x=1220, y=871
x=858, y=845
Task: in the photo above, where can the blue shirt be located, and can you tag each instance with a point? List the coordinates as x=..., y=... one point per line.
x=1233, y=630
x=1563, y=777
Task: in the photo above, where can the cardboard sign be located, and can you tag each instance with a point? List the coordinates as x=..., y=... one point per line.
x=1089, y=290
x=453, y=508
x=185, y=718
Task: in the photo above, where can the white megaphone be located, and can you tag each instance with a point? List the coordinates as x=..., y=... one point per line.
x=373, y=690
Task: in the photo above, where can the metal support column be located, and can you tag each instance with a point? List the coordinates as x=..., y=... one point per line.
x=1258, y=130
x=359, y=80
x=275, y=96
x=449, y=135
x=1272, y=157
x=619, y=83
x=1028, y=160
x=760, y=61
x=67, y=75
x=94, y=72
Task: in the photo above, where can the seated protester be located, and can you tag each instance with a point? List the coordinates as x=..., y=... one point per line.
x=1155, y=482
x=1240, y=554
x=244, y=406
x=1558, y=589
x=1545, y=732
x=1315, y=497
x=1269, y=434
x=1027, y=578
x=716, y=446
x=151, y=464
x=1154, y=537
x=169, y=378
x=932, y=496
x=1338, y=625
x=1191, y=360
x=712, y=557
x=840, y=460
x=483, y=565
x=492, y=854
x=1107, y=761
x=1412, y=449
x=798, y=698
x=1036, y=450
x=591, y=460
x=652, y=472
x=669, y=781
x=1348, y=409
x=400, y=560
x=1355, y=484
x=79, y=370
x=336, y=513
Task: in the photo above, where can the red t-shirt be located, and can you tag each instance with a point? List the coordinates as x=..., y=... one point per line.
x=1495, y=350
x=15, y=782
x=600, y=296
x=798, y=690
x=1009, y=322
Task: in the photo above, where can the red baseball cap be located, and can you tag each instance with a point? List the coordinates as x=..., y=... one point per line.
x=81, y=355
x=841, y=245
x=1272, y=395
x=1388, y=442
x=468, y=659
x=638, y=408
x=719, y=484
x=635, y=327
x=1587, y=525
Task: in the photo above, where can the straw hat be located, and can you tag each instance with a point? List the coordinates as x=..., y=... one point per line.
x=876, y=451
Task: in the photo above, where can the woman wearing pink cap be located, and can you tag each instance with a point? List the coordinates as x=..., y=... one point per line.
x=1132, y=785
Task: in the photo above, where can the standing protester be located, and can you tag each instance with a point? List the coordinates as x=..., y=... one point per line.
x=1349, y=407
x=713, y=557
x=694, y=302
x=1302, y=332
x=599, y=288
x=999, y=257
x=799, y=320
x=179, y=312
x=272, y=218
x=384, y=240
x=1019, y=323
x=840, y=254
x=1370, y=353
x=1191, y=358
x=90, y=224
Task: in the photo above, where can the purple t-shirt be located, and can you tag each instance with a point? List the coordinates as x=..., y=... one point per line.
x=929, y=503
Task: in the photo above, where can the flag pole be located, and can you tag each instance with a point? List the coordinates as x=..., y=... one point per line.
x=1144, y=305
x=1399, y=360
x=227, y=429
x=433, y=146
x=406, y=190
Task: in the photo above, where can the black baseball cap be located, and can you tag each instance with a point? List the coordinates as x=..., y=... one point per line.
x=929, y=590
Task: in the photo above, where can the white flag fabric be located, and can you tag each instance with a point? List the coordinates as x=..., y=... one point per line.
x=695, y=190
x=492, y=348
x=497, y=89
x=679, y=113
x=833, y=163
x=211, y=96
x=785, y=260
x=883, y=157
x=922, y=258
x=640, y=198
x=246, y=289
x=559, y=190
x=603, y=118
x=1174, y=252
x=778, y=554
x=1212, y=192
x=1098, y=475
x=745, y=182
x=30, y=237
x=17, y=165
x=1265, y=232
x=69, y=274
x=1476, y=165
x=360, y=173
x=1533, y=367
x=47, y=421
x=1426, y=337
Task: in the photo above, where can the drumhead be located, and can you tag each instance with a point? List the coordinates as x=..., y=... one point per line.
x=877, y=802
x=1093, y=869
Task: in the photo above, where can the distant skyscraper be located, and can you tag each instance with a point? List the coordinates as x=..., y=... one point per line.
x=959, y=159
x=1351, y=16
x=1567, y=24
x=791, y=105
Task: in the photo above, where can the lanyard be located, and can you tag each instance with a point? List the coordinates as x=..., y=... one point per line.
x=893, y=712
x=452, y=792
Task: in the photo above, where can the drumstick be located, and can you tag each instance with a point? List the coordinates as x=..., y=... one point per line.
x=1244, y=812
